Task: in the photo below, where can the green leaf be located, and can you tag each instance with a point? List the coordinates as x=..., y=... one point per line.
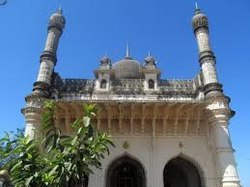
x=74, y=141
x=28, y=180
x=53, y=171
x=86, y=121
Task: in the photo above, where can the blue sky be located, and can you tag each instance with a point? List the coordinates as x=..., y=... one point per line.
x=95, y=26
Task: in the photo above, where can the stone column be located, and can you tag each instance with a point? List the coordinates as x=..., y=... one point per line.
x=32, y=119
x=223, y=151
x=32, y=113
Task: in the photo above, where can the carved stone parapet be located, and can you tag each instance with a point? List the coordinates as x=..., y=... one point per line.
x=31, y=110
x=206, y=55
x=48, y=55
x=58, y=22
x=35, y=96
x=201, y=23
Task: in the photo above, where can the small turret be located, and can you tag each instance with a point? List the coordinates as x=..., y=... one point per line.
x=151, y=74
x=103, y=74
x=105, y=61
x=150, y=60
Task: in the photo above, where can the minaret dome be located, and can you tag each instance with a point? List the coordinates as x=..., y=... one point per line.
x=57, y=20
x=199, y=20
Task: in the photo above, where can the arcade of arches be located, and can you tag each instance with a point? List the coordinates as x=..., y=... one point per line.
x=127, y=172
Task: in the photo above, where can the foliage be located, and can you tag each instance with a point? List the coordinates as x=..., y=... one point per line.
x=60, y=160
x=7, y=144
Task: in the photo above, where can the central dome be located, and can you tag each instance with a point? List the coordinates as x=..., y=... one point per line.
x=127, y=68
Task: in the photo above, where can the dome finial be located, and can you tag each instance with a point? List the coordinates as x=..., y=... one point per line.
x=127, y=51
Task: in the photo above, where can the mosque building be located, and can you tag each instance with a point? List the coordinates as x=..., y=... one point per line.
x=168, y=133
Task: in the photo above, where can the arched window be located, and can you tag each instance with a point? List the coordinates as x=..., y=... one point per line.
x=126, y=172
x=151, y=84
x=180, y=172
x=103, y=84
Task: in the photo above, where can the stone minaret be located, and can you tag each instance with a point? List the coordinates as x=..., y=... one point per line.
x=48, y=58
x=206, y=55
x=42, y=86
x=218, y=110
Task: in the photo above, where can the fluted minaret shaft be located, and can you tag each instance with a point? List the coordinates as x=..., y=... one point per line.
x=206, y=56
x=48, y=58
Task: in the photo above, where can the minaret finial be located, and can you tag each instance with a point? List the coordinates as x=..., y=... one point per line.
x=127, y=50
x=197, y=8
x=196, y=5
x=59, y=9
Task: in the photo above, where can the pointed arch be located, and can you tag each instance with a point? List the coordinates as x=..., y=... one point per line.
x=125, y=170
x=183, y=171
x=151, y=84
x=103, y=84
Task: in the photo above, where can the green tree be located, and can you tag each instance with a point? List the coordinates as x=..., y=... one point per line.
x=60, y=160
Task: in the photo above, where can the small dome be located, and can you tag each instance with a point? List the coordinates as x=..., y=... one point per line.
x=199, y=20
x=150, y=60
x=57, y=20
x=105, y=60
x=127, y=68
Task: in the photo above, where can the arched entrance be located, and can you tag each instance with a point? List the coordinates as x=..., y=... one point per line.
x=125, y=172
x=181, y=173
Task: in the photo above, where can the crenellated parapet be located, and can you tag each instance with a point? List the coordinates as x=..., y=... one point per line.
x=172, y=89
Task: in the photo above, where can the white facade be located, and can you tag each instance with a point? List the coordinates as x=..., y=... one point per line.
x=154, y=154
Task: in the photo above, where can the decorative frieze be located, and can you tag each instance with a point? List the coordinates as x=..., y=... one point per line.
x=140, y=119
